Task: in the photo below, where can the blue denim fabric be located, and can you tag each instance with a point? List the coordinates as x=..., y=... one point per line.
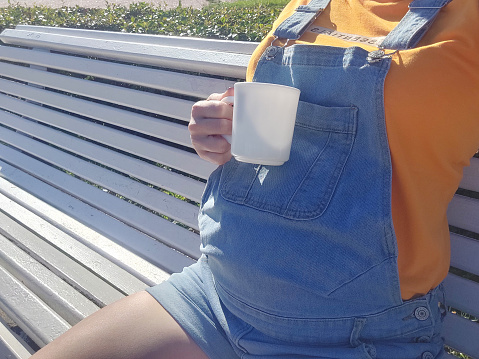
x=295, y=25
x=300, y=260
x=417, y=21
x=190, y=298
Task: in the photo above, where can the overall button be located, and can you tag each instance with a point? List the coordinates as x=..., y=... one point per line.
x=271, y=52
x=427, y=355
x=421, y=313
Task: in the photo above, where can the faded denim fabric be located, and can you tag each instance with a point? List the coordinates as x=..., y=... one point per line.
x=305, y=251
x=300, y=260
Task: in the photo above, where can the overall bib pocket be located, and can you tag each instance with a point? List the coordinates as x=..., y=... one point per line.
x=302, y=188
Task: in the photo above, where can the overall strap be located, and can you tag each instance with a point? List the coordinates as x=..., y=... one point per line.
x=294, y=26
x=414, y=24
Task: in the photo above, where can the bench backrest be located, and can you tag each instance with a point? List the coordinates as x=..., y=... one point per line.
x=93, y=122
x=93, y=135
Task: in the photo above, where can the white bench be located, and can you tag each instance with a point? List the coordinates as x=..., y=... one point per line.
x=99, y=184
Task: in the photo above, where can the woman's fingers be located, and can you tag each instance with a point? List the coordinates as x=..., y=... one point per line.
x=210, y=120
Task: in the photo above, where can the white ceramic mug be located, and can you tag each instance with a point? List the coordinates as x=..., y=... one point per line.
x=263, y=122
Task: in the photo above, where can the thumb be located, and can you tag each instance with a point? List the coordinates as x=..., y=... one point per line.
x=219, y=96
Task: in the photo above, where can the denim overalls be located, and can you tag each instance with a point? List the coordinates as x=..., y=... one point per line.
x=305, y=254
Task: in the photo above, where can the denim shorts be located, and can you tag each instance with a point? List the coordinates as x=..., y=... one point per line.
x=185, y=296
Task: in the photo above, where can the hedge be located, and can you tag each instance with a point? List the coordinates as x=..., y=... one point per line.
x=246, y=23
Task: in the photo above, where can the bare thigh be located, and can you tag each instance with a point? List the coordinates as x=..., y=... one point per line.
x=136, y=327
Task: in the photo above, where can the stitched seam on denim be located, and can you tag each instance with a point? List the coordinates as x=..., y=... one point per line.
x=278, y=316
x=252, y=182
x=361, y=274
x=239, y=336
x=390, y=240
x=429, y=328
x=194, y=305
x=366, y=351
x=322, y=203
x=334, y=179
x=306, y=214
x=325, y=129
x=307, y=174
x=389, y=233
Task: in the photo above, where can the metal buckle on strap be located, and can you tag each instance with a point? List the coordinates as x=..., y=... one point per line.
x=378, y=55
x=272, y=49
x=277, y=38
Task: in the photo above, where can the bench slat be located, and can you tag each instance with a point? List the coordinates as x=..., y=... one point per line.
x=119, y=235
x=142, y=170
x=181, y=160
x=57, y=294
x=462, y=294
x=90, y=258
x=166, y=130
x=132, y=190
x=37, y=320
x=463, y=212
x=462, y=334
x=154, y=103
x=204, y=61
x=470, y=179
x=175, y=82
x=244, y=47
x=11, y=346
x=465, y=253
x=56, y=261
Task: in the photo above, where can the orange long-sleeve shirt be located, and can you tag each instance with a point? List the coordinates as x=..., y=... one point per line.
x=432, y=119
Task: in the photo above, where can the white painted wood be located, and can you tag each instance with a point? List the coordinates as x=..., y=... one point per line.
x=180, y=58
x=132, y=190
x=112, y=239
x=465, y=253
x=53, y=291
x=154, y=103
x=127, y=142
x=470, y=178
x=176, y=82
x=155, y=175
x=180, y=184
x=463, y=212
x=94, y=260
x=11, y=346
x=58, y=262
x=462, y=294
x=166, y=130
x=462, y=334
x=187, y=42
x=36, y=319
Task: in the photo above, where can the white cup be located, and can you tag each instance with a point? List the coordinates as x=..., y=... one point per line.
x=263, y=122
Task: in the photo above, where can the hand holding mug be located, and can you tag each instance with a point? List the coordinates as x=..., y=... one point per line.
x=210, y=120
x=261, y=130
